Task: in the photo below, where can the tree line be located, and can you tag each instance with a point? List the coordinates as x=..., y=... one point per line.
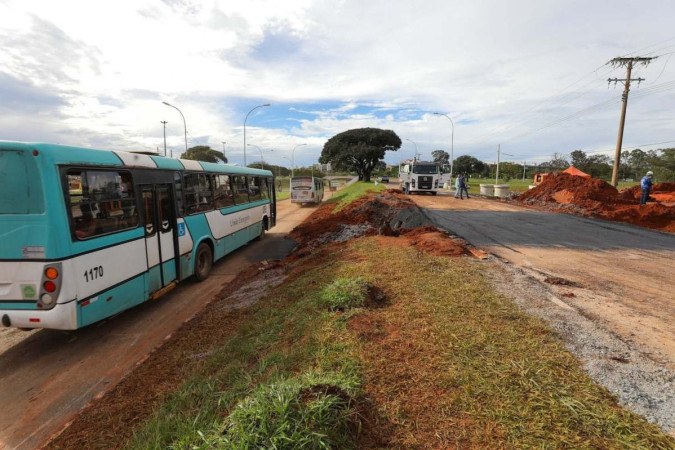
x=632, y=166
x=362, y=151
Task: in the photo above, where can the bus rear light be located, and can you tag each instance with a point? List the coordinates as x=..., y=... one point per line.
x=49, y=286
x=34, y=320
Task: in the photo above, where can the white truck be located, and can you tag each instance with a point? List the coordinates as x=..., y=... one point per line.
x=420, y=176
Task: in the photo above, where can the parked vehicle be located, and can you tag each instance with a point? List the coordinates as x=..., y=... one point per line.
x=420, y=176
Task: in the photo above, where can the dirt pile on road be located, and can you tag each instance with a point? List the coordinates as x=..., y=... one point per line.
x=389, y=213
x=592, y=197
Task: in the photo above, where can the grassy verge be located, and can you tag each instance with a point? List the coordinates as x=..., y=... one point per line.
x=444, y=362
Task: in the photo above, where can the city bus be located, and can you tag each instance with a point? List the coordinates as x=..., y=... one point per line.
x=306, y=189
x=86, y=234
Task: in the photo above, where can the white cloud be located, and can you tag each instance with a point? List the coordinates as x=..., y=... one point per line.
x=499, y=69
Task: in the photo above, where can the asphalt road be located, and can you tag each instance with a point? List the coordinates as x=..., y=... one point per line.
x=624, y=274
x=48, y=376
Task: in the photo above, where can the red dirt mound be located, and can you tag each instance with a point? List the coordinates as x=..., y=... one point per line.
x=564, y=188
x=596, y=198
x=370, y=215
x=373, y=211
x=431, y=240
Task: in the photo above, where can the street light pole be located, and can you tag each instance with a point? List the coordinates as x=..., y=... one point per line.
x=223, y=142
x=416, y=151
x=452, y=142
x=293, y=158
x=245, y=119
x=184, y=123
x=164, y=122
x=262, y=160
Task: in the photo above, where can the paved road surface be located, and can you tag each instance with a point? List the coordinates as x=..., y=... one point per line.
x=626, y=273
x=48, y=376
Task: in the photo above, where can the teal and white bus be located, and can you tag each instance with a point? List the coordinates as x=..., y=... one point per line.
x=85, y=234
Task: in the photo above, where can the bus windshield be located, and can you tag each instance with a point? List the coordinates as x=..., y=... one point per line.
x=425, y=169
x=22, y=188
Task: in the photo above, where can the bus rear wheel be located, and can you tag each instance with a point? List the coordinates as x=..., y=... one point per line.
x=203, y=262
x=263, y=227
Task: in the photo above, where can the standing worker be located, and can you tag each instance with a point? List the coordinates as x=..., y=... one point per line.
x=458, y=185
x=646, y=185
x=464, y=186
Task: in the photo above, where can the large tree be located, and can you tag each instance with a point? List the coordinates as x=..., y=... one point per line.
x=579, y=159
x=441, y=157
x=469, y=164
x=204, y=153
x=359, y=150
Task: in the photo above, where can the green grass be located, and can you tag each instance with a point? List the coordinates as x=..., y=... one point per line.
x=345, y=293
x=312, y=411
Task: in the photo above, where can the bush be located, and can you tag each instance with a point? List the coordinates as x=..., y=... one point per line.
x=345, y=293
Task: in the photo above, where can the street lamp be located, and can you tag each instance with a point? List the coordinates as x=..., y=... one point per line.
x=293, y=158
x=245, y=119
x=164, y=122
x=416, y=152
x=262, y=160
x=184, y=124
x=452, y=142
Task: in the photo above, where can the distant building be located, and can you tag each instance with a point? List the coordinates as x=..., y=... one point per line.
x=326, y=168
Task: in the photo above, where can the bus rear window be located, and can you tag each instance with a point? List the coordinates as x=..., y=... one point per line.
x=21, y=185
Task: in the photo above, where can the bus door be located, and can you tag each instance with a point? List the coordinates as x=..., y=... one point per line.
x=273, y=202
x=160, y=235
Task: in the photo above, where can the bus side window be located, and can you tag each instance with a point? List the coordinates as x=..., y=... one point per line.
x=240, y=189
x=223, y=192
x=101, y=202
x=205, y=192
x=190, y=189
x=254, y=188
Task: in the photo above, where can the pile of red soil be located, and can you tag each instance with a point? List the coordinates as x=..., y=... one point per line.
x=372, y=209
x=372, y=215
x=570, y=189
x=596, y=198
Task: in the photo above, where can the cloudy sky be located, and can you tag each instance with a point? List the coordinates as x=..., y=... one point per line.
x=529, y=75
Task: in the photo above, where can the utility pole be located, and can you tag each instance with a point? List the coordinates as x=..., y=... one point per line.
x=524, y=167
x=628, y=63
x=497, y=172
x=164, y=122
x=224, y=150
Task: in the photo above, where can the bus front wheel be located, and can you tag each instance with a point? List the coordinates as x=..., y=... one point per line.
x=203, y=262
